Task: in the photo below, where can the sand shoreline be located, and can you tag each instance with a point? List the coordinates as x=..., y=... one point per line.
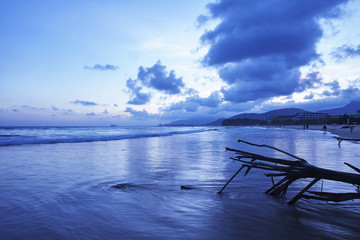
x=334, y=129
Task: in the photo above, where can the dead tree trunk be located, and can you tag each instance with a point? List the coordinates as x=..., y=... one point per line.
x=292, y=170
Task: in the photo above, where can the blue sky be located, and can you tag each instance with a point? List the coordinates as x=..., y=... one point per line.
x=148, y=62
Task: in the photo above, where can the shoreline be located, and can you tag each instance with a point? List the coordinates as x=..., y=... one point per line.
x=334, y=129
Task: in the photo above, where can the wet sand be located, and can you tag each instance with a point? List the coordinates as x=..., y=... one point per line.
x=334, y=129
x=64, y=190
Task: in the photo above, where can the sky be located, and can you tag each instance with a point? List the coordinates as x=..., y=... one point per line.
x=143, y=62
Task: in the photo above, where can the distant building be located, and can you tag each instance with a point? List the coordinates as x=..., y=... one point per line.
x=283, y=118
x=338, y=116
x=310, y=116
x=357, y=115
x=315, y=118
x=302, y=117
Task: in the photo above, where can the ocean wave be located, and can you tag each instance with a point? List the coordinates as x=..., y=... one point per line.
x=8, y=135
x=15, y=139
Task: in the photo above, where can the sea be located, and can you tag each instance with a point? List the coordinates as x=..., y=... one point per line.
x=58, y=183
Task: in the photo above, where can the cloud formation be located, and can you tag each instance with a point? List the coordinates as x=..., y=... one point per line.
x=311, y=80
x=351, y=92
x=336, y=98
x=84, y=103
x=100, y=67
x=259, y=46
x=345, y=51
x=137, y=97
x=90, y=114
x=156, y=78
x=138, y=114
x=68, y=112
x=192, y=103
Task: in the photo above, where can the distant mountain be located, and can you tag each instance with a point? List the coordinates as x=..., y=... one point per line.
x=189, y=122
x=216, y=122
x=261, y=116
x=350, y=108
x=186, y=122
x=270, y=114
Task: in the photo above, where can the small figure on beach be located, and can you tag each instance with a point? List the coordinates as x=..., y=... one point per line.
x=324, y=128
x=351, y=128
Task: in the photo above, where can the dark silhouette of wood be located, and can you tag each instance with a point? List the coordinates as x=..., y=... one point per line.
x=231, y=179
x=292, y=170
x=340, y=139
x=300, y=194
x=353, y=167
x=334, y=197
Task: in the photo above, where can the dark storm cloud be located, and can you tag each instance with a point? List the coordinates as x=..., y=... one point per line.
x=100, y=67
x=259, y=46
x=253, y=79
x=158, y=78
x=84, y=103
x=137, y=97
x=345, y=51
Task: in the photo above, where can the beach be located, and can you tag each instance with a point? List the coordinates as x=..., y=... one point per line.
x=353, y=133
x=60, y=185
x=339, y=130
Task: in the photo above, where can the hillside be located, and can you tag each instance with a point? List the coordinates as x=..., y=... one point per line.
x=270, y=114
x=350, y=108
x=216, y=122
x=191, y=122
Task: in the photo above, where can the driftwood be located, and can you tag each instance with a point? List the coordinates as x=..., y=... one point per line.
x=340, y=139
x=292, y=170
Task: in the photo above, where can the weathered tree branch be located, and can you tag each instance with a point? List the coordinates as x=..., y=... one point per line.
x=292, y=170
x=340, y=139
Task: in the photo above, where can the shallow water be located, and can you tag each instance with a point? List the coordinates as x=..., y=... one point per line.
x=64, y=190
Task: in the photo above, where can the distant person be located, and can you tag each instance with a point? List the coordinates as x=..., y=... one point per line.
x=324, y=128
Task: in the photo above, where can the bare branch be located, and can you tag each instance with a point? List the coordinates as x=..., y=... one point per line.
x=293, y=170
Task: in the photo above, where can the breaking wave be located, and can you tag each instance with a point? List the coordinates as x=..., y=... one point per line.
x=78, y=135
